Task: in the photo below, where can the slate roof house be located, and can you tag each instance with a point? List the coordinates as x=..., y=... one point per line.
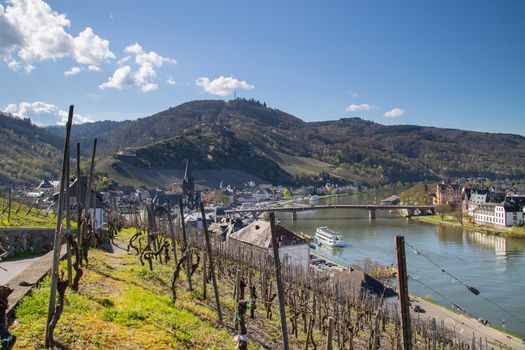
x=293, y=249
x=98, y=207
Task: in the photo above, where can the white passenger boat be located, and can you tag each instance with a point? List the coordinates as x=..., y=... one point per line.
x=326, y=237
x=314, y=200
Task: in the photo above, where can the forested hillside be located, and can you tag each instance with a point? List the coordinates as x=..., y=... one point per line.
x=27, y=153
x=350, y=149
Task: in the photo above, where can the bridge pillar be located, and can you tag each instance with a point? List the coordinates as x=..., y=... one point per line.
x=371, y=214
x=410, y=212
x=294, y=215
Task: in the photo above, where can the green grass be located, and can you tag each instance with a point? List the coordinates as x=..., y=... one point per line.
x=119, y=306
x=515, y=231
x=35, y=219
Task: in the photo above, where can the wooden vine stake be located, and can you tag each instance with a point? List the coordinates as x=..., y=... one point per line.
x=210, y=260
x=185, y=245
x=9, y=204
x=68, y=220
x=330, y=333
x=278, y=277
x=57, y=245
x=79, y=210
x=87, y=217
x=403, y=292
x=242, y=337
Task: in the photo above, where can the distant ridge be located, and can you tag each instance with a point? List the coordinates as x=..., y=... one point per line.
x=348, y=149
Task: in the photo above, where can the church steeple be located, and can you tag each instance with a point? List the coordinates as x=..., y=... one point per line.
x=188, y=188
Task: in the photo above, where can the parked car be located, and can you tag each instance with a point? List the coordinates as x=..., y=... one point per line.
x=417, y=308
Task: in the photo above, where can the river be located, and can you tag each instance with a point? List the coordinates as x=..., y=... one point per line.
x=493, y=265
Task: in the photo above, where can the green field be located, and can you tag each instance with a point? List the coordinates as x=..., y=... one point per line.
x=20, y=218
x=515, y=231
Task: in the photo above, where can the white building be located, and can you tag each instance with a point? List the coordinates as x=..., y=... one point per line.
x=474, y=201
x=498, y=214
x=293, y=250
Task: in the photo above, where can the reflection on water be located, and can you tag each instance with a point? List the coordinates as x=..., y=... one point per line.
x=499, y=244
x=494, y=265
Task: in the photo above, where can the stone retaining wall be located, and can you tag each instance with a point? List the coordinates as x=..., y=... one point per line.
x=26, y=240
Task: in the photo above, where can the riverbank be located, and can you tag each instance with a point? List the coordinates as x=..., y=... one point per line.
x=514, y=232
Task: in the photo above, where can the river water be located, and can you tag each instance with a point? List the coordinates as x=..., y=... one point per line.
x=493, y=265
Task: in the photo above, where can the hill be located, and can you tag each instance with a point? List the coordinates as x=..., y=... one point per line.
x=27, y=153
x=348, y=149
x=206, y=150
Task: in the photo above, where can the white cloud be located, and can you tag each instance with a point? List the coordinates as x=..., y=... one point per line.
x=134, y=49
x=11, y=36
x=91, y=49
x=395, y=113
x=171, y=81
x=121, y=78
x=42, y=113
x=222, y=86
x=73, y=71
x=94, y=68
x=143, y=76
x=36, y=33
x=360, y=107
x=353, y=94
x=123, y=60
x=13, y=64
x=29, y=68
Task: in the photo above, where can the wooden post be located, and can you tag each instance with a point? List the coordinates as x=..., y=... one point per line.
x=68, y=222
x=9, y=204
x=172, y=233
x=242, y=336
x=185, y=245
x=204, y=273
x=93, y=238
x=434, y=334
x=33, y=205
x=330, y=333
x=237, y=293
x=403, y=292
x=88, y=189
x=57, y=245
x=19, y=205
x=210, y=258
x=280, y=287
x=79, y=210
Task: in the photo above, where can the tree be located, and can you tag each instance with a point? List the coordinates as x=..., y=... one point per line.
x=443, y=209
x=458, y=215
x=287, y=193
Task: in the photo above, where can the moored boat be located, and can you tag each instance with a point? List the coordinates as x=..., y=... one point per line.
x=314, y=200
x=327, y=237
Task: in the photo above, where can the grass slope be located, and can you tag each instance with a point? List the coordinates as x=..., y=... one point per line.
x=120, y=305
x=35, y=219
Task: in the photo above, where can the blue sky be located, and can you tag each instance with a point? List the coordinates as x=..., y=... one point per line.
x=456, y=64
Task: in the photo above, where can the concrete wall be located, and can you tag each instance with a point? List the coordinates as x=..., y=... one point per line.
x=26, y=240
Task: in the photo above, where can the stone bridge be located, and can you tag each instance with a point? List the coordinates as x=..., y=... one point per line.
x=372, y=208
